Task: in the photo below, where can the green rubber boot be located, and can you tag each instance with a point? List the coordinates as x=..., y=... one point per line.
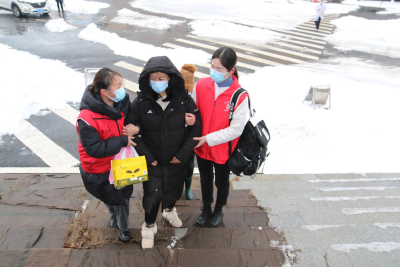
x=188, y=183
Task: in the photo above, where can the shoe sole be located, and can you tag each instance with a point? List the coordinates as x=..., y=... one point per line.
x=122, y=240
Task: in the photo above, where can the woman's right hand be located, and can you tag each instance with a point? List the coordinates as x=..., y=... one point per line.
x=190, y=119
x=130, y=130
x=154, y=163
x=130, y=142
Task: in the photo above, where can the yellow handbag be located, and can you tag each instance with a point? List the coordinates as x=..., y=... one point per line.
x=129, y=171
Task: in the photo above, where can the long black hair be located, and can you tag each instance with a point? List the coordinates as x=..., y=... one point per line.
x=102, y=80
x=228, y=58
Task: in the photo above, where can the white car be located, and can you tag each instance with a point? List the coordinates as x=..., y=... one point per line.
x=26, y=7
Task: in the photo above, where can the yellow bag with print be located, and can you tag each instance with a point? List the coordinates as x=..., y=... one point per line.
x=129, y=171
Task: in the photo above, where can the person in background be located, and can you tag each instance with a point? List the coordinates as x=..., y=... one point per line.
x=212, y=96
x=60, y=3
x=187, y=73
x=160, y=112
x=100, y=127
x=320, y=11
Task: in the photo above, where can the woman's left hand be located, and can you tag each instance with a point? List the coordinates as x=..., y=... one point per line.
x=130, y=130
x=202, y=140
x=175, y=161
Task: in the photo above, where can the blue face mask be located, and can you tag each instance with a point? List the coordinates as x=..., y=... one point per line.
x=158, y=87
x=217, y=76
x=119, y=94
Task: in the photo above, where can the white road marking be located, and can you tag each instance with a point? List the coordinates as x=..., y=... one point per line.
x=301, y=43
x=312, y=28
x=342, y=198
x=374, y=247
x=131, y=86
x=52, y=154
x=354, y=180
x=66, y=112
x=386, y=225
x=296, y=47
x=260, y=51
x=238, y=63
x=319, y=227
x=377, y=188
x=352, y=211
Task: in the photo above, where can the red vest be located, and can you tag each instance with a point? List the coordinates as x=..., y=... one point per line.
x=214, y=117
x=106, y=128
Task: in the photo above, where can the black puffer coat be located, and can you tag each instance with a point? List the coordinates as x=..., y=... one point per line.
x=97, y=184
x=163, y=134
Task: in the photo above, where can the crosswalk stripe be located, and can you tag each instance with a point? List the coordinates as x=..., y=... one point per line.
x=262, y=52
x=131, y=86
x=52, y=154
x=314, y=32
x=239, y=54
x=289, y=39
x=305, y=39
x=128, y=66
x=312, y=28
x=328, y=27
x=66, y=112
x=52, y=170
x=302, y=48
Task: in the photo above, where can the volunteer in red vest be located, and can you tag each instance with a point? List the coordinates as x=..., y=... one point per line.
x=212, y=96
x=100, y=126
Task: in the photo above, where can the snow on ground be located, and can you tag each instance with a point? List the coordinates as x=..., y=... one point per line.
x=81, y=6
x=372, y=36
x=275, y=14
x=40, y=82
x=391, y=7
x=220, y=29
x=126, y=16
x=124, y=47
x=358, y=134
x=58, y=25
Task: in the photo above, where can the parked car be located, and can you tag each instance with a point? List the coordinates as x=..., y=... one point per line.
x=26, y=7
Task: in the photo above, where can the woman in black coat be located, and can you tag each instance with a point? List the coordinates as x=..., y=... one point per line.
x=159, y=111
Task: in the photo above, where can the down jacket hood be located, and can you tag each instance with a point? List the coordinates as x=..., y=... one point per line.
x=97, y=105
x=163, y=64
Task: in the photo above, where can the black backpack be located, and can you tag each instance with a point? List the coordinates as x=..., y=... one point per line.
x=251, y=150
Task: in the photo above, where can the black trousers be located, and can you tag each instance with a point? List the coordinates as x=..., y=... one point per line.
x=120, y=213
x=207, y=178
x=317, y=23
x=151, y=217
x=60, y=3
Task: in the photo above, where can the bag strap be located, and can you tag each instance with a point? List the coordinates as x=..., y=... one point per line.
x=234, y=99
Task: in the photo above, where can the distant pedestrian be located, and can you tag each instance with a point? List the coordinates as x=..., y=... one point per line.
x=60, y=3
x=319, y=15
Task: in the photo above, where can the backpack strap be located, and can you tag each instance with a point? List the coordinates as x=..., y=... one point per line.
x=234, y=99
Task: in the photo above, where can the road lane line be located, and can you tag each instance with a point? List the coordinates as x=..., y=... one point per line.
x=352, y=211
x=52, y=154
x=66, y=112
x=376, y=188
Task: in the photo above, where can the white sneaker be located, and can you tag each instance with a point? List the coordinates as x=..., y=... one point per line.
x=148, y=235
x=172, y=217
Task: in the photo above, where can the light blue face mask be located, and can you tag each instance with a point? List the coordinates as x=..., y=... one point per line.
x=217, y=76
x=159, y=86
x=119, y=94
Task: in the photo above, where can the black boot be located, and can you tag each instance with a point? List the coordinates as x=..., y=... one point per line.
x=124, y=236
x=204, y=216
x=112, y=223
x=216, y=218
x=188, y=183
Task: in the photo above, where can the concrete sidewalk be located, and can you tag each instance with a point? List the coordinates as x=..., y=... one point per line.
x=334, y=219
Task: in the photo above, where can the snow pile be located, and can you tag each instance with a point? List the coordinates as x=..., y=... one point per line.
x=126, y=16
x=124, y=47
x=358, y=134
x=374, y=247
x=371, y=36
x=58, y=25
x=391, y=7
x=46, y=83
x=318, y=227
x=174, y=240
x=275, y=14
x=220, y=29
x=82, y=6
